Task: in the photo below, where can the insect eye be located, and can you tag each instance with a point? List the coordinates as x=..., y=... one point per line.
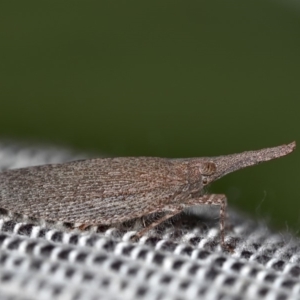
x=204, y=180
x=208, y=168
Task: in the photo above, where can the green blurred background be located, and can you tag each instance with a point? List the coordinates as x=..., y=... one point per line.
x=161, y=78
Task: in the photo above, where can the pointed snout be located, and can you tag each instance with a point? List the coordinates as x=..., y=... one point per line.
x=230, y=163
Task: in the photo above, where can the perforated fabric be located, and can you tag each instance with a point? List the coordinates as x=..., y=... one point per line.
x=182, y=259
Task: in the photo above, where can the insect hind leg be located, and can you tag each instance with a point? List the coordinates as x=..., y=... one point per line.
x=167, y=216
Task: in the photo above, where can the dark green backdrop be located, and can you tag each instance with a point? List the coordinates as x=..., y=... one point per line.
x=161, y=78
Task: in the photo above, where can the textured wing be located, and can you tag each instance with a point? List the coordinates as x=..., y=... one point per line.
x=96, y=191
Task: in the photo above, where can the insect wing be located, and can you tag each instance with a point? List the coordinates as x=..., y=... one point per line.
x=96, y=191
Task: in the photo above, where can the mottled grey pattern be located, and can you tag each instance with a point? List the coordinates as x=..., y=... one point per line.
x=96, y=191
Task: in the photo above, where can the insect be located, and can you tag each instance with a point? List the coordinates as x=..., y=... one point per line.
x=113, y=190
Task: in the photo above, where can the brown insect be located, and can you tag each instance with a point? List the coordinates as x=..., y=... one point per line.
x=114, y=190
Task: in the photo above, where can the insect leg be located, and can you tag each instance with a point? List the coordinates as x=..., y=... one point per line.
x=214, y=199
x=167, y=216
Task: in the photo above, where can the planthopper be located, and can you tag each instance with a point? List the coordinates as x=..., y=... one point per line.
x=105, y=191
